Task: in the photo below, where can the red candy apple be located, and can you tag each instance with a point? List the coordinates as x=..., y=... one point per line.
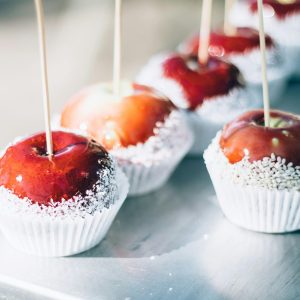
x=25, y=168
x=244, y=39
x=120, y=122
x=248, y=135
x=282, y=8
x=201, y=82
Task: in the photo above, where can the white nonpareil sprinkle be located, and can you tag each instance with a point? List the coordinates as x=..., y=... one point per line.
x=103, y=194
x=271, y=172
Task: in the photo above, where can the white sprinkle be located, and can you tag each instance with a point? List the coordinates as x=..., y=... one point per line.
x=152, y=257
x=170, y=289
x=19, y=178
x=170, y=274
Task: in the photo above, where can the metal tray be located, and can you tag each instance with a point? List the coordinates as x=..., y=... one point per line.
x=172, y=244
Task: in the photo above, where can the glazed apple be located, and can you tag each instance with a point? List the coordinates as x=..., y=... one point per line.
x=201, y=82
x=282, y=8
x=115, y=123
x=25, y=168
x=244, y=39
x=248, y=135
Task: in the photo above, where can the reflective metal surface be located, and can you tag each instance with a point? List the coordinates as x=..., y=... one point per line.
x=172, y=244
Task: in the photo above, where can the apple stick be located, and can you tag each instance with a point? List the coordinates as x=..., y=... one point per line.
x=262, y=40
x=205, y=31
x=117, y=49
x=229, y=29
x=43, y=56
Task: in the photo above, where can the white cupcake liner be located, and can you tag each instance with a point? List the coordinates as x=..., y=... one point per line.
x=144, y=179
x=54, y=237
x=148, y=177
x=204, y=130
x=257, y=209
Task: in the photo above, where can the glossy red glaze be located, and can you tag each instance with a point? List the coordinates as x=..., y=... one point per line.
x=248, y=133
x=282, y=10
x=26, y=170
x=245, y=39
x=115, y=124
x=199, y=82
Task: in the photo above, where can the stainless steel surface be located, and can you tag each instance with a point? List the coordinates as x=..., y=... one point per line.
x=172, y=244
x=8, y=292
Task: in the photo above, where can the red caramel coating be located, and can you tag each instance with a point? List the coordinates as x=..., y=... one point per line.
x=115, y=124
x=200, y=82
x=26, y=170
x=248, y=132
x=245, y=39
x=282, y=10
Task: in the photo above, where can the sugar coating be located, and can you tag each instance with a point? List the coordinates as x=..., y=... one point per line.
x=249, y=63
x=273, y=173
x=285, y=31
x=102, y=196
x=222, y=109
x=169, y=138
x=219, y=109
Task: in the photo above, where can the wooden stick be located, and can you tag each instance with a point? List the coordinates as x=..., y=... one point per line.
x=262, y=39
x=205, y=31
x=117, y=49
x=229, y=29
x=43, y=56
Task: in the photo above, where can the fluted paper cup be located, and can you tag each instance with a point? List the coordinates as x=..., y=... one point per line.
x=148, y=177
x=257, y=209
x=56, y=236
x=145, y=179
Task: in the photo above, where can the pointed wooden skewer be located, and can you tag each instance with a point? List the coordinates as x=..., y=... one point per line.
x=229, y=29
x=205, y=31
x=43, y=55
x=262, y=39
x=117, y=49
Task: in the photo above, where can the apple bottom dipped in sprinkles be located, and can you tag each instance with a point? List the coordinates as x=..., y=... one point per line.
x=259, y=189
x=74, y=219
x=271, y=172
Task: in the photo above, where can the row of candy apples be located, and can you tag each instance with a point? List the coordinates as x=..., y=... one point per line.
x=60, y=192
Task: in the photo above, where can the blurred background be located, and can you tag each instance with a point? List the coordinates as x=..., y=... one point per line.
x=79, y=41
